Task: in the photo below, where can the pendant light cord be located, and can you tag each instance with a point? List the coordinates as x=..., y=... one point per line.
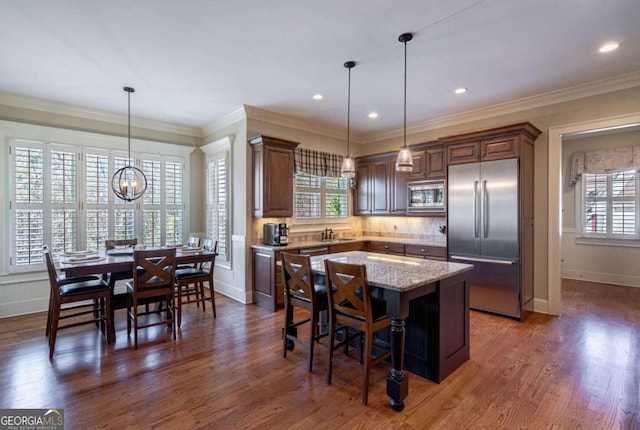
x=129, y=122
x=348, y=112
x=405, y=94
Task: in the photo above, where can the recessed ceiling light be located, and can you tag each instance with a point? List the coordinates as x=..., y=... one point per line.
x=318, y=96
x=373, y=115
x=460, y=90
x=609, y=46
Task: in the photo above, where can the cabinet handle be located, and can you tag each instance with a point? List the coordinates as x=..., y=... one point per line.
x=386, y=247
x=423, y=250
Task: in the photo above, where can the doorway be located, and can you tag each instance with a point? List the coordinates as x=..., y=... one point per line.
x=554, y=196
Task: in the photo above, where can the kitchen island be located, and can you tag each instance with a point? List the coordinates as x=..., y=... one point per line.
x=428, y=297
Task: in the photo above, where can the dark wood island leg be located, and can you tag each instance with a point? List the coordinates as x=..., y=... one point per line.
x=397, y=382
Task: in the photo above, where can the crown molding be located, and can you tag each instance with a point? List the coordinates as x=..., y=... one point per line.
x=553, y=97
x=235, y=116
x=259, y=114
x=59, y=108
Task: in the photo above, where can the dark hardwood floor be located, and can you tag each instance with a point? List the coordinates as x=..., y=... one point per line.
x=578, y=371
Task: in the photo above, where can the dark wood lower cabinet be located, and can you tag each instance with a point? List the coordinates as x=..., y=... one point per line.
x=437, y=331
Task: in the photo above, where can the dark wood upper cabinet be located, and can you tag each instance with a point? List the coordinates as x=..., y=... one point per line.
x=373, y=182
x=486, y=145
x=380, y=190
x=272, y=176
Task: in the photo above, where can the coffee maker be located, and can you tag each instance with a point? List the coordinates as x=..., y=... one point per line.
x=275, y=234
x=283, y=232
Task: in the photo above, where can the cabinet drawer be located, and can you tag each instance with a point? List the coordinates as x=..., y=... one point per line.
x=386, y=247
x=434, y=252
x=345, y=247
x=314, y=251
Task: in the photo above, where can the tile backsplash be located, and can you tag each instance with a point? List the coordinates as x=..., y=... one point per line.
x=381, y=226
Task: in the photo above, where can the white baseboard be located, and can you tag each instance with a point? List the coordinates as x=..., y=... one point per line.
x=23, y=307
x=541, y=306
x=603, y=278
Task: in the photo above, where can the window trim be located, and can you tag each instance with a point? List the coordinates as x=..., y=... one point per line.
x=213, y=150
x=312, y=224
x=78, y=140
x=604, y=238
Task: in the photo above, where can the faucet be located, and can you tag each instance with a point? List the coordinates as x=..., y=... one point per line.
x=326, y=234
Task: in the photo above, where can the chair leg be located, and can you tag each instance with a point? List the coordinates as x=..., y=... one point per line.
x=180, y=305
x=332, y=335
x=288, y=316
x=367, y=364
x=312, y=337
x=55, y=319
x=49, y=315
x=212, y=297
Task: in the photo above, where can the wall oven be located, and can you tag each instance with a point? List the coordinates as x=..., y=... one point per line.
x=426, y=196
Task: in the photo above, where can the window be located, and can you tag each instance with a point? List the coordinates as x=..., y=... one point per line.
x=61, y=196
x=609, y=205
x=321, y=199
x=217, y=204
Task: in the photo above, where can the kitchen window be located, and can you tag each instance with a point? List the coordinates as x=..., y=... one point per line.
x=320, y=199
x=609, y=205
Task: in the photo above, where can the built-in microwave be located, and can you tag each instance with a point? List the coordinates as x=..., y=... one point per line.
x=426, y=196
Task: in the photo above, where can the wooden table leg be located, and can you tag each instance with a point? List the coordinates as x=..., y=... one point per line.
x=397, y=382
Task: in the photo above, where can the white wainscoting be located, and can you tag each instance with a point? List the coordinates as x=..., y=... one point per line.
x=608, y=264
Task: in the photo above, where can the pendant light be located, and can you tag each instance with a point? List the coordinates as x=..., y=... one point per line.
x=129, y=183
x=404, y=162
x=348, y=169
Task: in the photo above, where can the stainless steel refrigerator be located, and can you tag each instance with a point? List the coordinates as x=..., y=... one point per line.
x=483, y=223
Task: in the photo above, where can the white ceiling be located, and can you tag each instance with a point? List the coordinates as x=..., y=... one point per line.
x=193, y=62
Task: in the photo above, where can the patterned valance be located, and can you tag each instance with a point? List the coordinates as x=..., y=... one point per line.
x=317, y=163
x=603, y=161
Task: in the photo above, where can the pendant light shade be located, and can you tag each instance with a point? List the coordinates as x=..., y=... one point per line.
x=129, y=183
x=404, y=162
x=348, y=169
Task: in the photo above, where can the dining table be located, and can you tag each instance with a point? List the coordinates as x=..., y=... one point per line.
x=428, y=302
x=102, y=262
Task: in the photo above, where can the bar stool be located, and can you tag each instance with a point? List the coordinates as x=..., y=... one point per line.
x=300, y=290
x=351, y=305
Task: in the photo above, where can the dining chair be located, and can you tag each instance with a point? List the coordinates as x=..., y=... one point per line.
x=302, y=291
x=351, y=304
x=91, y=295
x=61, y=279
x=190, y=281
x=153, y=280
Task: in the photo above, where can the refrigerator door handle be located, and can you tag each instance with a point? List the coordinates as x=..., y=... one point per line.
x=485, y=212
x=483, y=260
x=476, y=219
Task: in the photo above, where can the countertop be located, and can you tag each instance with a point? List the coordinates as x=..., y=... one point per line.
x=436, y=240
x=394, y=272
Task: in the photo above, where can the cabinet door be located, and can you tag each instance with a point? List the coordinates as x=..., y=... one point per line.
x=460, y=153
x=436, y=166
x=381, y=182
x=500, y=148
x=278, y=182
x=363, y=189
x=419, y=171
x=264, y=279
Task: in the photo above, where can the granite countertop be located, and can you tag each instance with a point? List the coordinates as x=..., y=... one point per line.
x=394, y=272
x=436, y=240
